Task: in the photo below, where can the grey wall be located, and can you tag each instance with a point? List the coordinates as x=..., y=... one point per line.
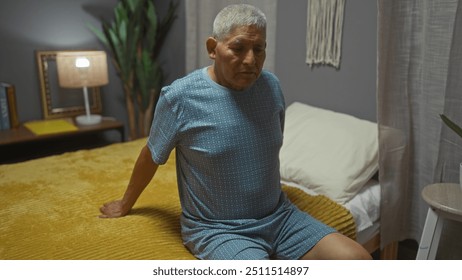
x=27, y=26
x=30, y=25
x=351, y=89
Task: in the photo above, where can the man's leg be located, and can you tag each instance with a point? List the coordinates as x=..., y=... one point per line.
x=304, y=237
x=336, y=246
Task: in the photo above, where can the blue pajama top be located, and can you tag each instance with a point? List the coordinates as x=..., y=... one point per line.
x=227, y=145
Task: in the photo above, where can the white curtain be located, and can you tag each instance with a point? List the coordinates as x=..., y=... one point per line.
x=199, y=20
x=419, y=78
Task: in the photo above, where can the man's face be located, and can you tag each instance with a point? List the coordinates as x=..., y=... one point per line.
x=238, y=58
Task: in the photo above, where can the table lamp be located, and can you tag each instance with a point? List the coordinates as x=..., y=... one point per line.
x=83, y=69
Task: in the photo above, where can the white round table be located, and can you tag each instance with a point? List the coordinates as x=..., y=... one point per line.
x=445, y=201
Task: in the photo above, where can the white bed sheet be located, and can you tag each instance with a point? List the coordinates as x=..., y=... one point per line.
x=364, y=207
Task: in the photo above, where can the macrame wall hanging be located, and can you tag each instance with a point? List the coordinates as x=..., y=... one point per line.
x=324, y=32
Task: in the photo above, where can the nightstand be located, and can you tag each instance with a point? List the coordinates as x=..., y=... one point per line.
x=445, y=201
x=21, y=144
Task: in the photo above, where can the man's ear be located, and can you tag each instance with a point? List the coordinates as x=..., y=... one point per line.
x=211, y=45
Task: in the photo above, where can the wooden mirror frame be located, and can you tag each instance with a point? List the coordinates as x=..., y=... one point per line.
x=60, y=102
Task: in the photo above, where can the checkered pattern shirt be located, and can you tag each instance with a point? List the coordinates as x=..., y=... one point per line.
x=227, y=145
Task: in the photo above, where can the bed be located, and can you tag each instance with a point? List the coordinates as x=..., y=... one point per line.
x=50, y=206
x=337, y=155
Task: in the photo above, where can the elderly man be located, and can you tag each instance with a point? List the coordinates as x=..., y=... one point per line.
x=226, y=123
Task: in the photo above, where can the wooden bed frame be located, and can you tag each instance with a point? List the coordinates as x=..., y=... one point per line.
x=389, y=252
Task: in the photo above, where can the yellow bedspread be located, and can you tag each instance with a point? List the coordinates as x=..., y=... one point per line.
x=49, y=208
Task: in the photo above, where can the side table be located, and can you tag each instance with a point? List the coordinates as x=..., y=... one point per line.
x=22, y=134
x=20, y=143
x=445, y=201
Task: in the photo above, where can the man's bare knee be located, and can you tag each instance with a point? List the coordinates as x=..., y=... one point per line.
x=336, y=246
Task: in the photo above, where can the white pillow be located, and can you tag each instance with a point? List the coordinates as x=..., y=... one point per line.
x=330, y=153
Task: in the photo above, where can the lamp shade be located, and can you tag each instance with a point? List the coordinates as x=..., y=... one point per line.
x=82, y=69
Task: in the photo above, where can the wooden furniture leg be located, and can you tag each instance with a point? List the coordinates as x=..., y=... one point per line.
x=389, y=252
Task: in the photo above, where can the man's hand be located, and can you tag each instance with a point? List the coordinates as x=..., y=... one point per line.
x=142, y=173
x=113, y=209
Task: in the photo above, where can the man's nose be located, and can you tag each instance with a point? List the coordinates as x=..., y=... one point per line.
x=249, y=58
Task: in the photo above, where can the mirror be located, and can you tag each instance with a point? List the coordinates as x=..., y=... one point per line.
x=58, y=102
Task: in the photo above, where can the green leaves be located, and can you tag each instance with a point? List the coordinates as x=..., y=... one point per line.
x=134, y=38
x=148, y=77
x=456, y=128
x=151, y=27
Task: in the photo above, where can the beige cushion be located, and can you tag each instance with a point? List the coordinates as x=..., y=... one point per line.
x=328, y=152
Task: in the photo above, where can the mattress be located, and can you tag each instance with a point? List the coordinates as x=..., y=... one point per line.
x=50, y=208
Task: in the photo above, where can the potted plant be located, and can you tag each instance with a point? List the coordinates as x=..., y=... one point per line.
x=457, y=129
x=134, y=39
x=452, y=125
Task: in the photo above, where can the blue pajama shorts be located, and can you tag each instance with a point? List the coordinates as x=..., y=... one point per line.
x=288, y=233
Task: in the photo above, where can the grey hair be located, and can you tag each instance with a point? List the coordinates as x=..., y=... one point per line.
x=237, y=15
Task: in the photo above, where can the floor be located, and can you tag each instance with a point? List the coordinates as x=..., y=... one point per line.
x=450, y=245
x=407, y=250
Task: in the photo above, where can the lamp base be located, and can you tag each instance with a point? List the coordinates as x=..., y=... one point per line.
x=88, y=120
